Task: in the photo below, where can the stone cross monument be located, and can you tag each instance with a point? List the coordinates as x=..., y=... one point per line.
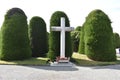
x=62, y=30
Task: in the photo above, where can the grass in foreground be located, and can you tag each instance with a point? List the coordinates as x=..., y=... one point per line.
x=83, y=60
x=79, y=59
x=32, y=61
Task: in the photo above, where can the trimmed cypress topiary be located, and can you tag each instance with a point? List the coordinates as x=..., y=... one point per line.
x=14, y=31
x=98, y=37
x=54, y=37
x=38, y=37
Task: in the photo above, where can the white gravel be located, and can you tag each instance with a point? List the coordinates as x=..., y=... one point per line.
x=16, y=72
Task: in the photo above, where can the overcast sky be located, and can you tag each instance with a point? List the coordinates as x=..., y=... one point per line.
x=76, y=10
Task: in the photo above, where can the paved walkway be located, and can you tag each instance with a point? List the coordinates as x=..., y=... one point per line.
x=14, y=72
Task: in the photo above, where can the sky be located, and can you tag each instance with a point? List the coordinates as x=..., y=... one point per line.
x=76, y=10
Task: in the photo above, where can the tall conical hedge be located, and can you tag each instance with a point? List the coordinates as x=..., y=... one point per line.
x=98, y=37
x=38, y=37
x=14, y=31
x=54, y=37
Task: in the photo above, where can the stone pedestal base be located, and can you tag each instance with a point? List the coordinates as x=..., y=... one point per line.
x=62, y=64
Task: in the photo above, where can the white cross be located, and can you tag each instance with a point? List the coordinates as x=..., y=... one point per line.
x=62, y=29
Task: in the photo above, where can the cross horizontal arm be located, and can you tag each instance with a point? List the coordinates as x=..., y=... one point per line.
x=69, y=28
x=57, y=28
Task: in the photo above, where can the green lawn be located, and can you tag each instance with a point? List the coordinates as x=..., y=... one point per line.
x=32, y=61
x=79, y=59
x=83, y=60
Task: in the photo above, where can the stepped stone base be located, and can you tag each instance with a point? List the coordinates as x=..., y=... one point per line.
x=62, y=64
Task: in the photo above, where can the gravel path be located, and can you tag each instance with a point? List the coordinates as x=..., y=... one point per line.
x=15, y=72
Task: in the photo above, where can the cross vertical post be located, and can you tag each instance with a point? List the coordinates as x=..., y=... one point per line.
x=62, y=36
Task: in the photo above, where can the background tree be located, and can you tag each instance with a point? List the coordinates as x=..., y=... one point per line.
x=116, y=40
x=98, y=37
x=14, y=34
x=76, y=38
x=0, y=40
x=54, y=37
x=38, y=37
x=81, y=48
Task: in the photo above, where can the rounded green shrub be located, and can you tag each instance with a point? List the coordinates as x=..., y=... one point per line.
x=14, y=34
x=98, y=37
x=38, y=37
x=54, y=37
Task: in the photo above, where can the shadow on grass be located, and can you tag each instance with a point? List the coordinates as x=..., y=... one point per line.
x=31, y=61
x=83, y=62
x=38, y=63
x=97, y=64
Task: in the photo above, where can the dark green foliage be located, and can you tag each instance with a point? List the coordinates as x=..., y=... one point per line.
x=38, y=37
x=14, y=11
x=78, y=28
x=98, y=37
x=76, y=38
x=54, y=37
x=81, y=42
x=116, y=40
x=48, y=40
x=14, y=34
x=0, y=41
